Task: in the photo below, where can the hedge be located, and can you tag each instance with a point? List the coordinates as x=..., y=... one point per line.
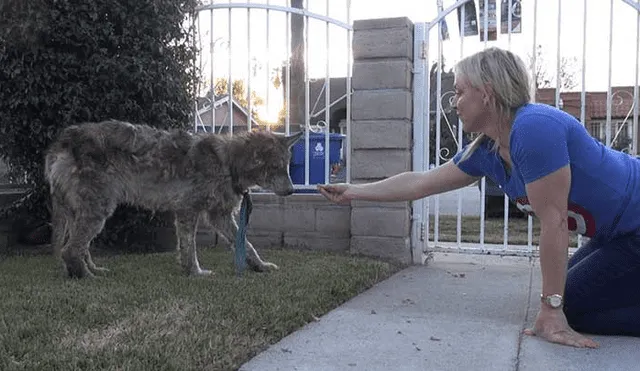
x=66, y=62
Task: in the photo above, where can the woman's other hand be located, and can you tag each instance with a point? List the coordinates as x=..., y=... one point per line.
x=552, y=326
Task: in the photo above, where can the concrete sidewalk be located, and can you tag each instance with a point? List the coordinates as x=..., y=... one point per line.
x=459, y=312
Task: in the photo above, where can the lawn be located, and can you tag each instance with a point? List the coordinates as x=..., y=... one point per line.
x=145, y=315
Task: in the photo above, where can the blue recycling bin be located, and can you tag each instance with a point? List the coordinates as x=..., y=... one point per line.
x=317, y=154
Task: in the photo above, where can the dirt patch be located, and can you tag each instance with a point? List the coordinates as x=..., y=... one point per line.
x=154, y=323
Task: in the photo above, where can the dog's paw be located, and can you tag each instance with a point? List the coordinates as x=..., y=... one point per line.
x=77, y=268
x=99, y=270
x=200, y=272
x=265, y=267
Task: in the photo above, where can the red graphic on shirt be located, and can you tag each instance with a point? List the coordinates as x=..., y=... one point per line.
x=580, y=219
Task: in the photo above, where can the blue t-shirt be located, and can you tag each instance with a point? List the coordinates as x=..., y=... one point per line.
x=604, y=198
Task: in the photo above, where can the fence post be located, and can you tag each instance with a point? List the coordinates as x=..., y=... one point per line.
x=381, y=132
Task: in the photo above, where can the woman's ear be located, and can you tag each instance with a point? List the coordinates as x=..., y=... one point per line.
x=487, y=95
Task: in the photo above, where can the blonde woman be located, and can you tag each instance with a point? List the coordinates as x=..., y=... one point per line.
x=547, y=163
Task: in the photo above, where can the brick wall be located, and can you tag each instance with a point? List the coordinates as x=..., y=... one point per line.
x=382, y=132
x=301, y=221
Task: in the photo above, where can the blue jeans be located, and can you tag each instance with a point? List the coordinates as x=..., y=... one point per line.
x=602, y=293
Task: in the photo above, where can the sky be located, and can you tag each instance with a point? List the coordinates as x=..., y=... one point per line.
x=269, y=48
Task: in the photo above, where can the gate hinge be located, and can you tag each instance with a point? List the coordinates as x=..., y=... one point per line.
x=423, y=52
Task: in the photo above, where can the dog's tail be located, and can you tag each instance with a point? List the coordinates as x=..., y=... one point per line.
x=61, y=162
x=59, y=169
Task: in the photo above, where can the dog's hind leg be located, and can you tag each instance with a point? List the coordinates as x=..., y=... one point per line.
x=75, y=251
x=186, y=227
x=61, y=216
x=228, y=228
x=82, y=231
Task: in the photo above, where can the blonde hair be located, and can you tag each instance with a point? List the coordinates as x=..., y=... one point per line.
x=502, y=74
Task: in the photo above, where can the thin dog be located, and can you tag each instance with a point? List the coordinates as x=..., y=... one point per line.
x=92, y=168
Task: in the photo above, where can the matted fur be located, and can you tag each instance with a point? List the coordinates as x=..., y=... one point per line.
x=93, y=167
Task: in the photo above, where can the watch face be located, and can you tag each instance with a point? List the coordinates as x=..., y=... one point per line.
x=555, y=301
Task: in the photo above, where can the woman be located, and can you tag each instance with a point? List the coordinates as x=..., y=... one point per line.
x=547, y=163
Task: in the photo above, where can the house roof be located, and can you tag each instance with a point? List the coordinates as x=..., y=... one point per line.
x=219, y=102
x=595, y=101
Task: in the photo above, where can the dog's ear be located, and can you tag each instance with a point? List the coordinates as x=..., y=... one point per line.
x=292, y=139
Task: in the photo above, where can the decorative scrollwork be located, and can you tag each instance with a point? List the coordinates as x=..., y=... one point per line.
x=444, y=154
x=617, y=99
x=450, y=106
x=446, y=109
x=319, y=127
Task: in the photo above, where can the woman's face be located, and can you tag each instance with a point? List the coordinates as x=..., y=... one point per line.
x=471, y=104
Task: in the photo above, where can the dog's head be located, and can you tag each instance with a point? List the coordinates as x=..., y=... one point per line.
x=266, y=161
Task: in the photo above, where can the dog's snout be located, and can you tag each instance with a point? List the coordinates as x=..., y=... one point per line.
x=285, y=192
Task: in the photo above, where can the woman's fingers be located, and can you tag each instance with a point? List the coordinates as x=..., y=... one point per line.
x=325, y=193
x=530, y=332
x=333, y=192
x=570, y=338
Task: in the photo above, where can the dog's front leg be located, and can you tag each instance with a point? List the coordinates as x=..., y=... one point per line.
x=186, y=227
x=228, y=228
x=177, y=234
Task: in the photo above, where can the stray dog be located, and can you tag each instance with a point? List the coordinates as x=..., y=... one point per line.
x=93, y=167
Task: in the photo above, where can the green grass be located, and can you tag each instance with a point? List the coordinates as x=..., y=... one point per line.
x=145, y=315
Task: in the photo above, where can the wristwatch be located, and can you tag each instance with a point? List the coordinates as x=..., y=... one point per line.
x=554, y=301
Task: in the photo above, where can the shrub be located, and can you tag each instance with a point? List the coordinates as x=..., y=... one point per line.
x=65, y=62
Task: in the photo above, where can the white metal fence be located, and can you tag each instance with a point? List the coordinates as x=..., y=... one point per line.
x=289, y=65
x=583, y=55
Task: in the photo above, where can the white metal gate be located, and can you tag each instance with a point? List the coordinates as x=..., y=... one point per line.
x=610, y=112
x=288, y=64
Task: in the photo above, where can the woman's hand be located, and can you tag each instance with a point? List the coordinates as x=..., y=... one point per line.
x=337, y=193
x=551, y=325
x=406, y=186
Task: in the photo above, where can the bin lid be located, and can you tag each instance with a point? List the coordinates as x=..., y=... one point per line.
x=322, y=135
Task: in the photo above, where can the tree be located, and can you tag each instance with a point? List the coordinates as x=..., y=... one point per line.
x=67, y=62
x=239, y=92
x=297, y=65
x=545, y=79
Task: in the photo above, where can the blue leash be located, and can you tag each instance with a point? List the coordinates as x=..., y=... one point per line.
x=241, y=248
